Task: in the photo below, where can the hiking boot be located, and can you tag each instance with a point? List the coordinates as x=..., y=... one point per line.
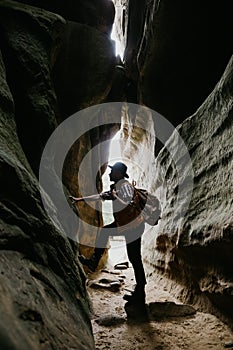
x=137, y=296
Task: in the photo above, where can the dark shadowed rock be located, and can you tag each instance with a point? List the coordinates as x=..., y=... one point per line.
x=39, y=307
x=169, y=309
x=110, y=320
x=42, y=286
x=106, y=283
x=30, y=40
x=84, y=70
x=177, y=61
x=157, y=310
x=96, y=13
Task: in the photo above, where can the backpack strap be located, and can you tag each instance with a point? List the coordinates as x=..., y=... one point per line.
x=134, y=183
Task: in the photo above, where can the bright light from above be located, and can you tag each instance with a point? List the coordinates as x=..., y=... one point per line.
x=117, y=29
x=119, y=46
x=114, y=156
x=115, y=150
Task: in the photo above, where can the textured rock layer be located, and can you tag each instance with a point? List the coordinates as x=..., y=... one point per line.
x=193, y=242
x=44, y=303
x=173, y=52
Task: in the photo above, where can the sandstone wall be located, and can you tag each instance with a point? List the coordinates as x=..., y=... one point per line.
x=57, y=58
x=193, y=242
x=44, y=303
x=177, y=53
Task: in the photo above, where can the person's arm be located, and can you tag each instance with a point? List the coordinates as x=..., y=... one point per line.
x=116, y=197
x=92, y=198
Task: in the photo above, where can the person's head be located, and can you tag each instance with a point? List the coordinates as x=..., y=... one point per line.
x=118, y=171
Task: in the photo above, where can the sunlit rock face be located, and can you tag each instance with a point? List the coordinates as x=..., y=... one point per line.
x=120, y=25
x=93, y=148
x=193, y=241
x=137, y=144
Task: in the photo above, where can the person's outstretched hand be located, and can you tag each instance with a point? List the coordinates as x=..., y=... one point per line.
x=75, y=199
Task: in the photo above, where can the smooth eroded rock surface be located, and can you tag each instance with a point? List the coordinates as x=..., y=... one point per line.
x=193, y=241
x=44, y=302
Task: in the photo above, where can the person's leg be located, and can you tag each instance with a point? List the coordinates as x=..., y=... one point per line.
x=135, y=258
x=100, y=245
x=134, y=254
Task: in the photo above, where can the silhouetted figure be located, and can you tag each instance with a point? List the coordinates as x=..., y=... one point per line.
x=127, y=221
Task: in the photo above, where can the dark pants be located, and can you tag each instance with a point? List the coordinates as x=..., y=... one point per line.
x=133, y=246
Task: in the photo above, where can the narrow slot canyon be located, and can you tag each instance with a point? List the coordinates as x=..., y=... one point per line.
x=86, y=84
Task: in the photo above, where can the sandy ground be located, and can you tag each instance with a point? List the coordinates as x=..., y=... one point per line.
x=113, y=330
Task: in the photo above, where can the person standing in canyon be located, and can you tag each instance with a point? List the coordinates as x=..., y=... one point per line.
x=127, y=221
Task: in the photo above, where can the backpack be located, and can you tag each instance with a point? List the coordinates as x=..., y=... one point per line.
x=148, y=204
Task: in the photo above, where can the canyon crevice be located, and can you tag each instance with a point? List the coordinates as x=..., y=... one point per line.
x=57, y=60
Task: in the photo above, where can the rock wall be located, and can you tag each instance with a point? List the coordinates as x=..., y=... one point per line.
x=57, y=58
x=44, y=303
x=177, y=53
x=98, y=14
x=121, y=23
x=43, y=297
x=29, y=41
x=175, y=67
x=76, y=86
x=193, y=242
x=138, y=140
